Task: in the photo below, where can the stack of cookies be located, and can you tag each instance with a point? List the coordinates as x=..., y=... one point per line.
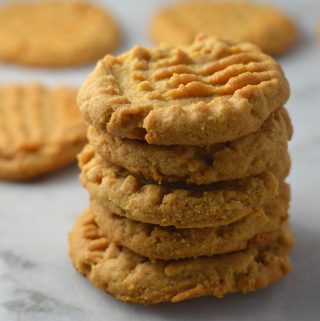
x=185, y=167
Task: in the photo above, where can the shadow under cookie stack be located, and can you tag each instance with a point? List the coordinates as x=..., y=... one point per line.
x=185, y=166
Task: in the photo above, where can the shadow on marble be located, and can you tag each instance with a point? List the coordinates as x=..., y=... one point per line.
x=69, y=172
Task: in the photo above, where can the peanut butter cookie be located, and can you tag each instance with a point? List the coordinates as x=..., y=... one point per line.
x=167, y=243
x=55, y=33
x=262, y=25
x=182, y=206
x=136, y=279
x=41, y=130
x=243, y=157
x=209, y=92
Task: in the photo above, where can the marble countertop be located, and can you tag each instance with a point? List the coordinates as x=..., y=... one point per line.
x=37, y=281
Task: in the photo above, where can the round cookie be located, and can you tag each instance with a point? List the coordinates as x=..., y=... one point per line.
x=246, y=156
x=168, y=243
x=209, y=92
x=55, y=33
x=136, y=279
x=260, y=24
x=41, y=130
x=182, y=206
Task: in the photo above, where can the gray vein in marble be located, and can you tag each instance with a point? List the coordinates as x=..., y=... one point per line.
x=11, y=259
x=27, y=300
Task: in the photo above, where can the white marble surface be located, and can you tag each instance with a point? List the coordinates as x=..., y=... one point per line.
x=37, y=281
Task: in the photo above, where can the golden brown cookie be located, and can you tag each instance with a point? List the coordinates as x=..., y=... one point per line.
x=246, y=156
x=208, y=92
x=55, y=33
x=260, y=24
x=168, y=243
x=136, y=279
x=182, y=206
x=41, y=130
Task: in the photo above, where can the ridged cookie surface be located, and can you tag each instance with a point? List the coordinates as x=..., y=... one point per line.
x=262, y=25
x=208, y=92
x=40, y=130
x=55, y=33
x=243, y=157
x=136, y=279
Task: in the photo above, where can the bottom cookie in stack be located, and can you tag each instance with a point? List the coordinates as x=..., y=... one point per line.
x=146, y=263
x=137, y=279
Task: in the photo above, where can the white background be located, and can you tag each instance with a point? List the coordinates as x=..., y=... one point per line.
x=37, y=281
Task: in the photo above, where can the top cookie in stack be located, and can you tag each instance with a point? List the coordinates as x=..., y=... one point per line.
x=185, y=167
x=209, y=92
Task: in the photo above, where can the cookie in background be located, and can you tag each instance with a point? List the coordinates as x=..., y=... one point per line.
x=40, y=130
x=265, y=26
x=56, y=33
